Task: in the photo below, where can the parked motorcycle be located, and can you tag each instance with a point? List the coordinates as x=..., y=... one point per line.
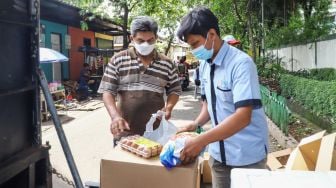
x=183, y=73
x=184, y=81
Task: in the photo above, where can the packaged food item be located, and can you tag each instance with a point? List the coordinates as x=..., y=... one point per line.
x=184, y=135
x=171, y=152
x=141, y=146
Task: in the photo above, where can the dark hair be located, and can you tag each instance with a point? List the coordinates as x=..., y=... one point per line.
x=198, y=22
x=143, y=23
x=86, y=65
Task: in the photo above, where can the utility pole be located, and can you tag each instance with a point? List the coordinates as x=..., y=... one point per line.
x=263, y=30
x=285, y=19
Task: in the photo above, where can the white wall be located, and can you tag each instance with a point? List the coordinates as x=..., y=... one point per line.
x=177, y=51
x=308, y=56
x=326, y=51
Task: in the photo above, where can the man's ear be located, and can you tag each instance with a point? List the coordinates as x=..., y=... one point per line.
x=131, y=38
x=212, y=34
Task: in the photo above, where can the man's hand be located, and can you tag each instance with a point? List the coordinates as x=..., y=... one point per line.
x=191, y=150
x=119, y=125
x=167, y=112
x=188, y=128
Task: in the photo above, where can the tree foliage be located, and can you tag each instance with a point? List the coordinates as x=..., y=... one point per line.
x=166, y=12
x=308, y=23
x=285, y=21
x=239, y=18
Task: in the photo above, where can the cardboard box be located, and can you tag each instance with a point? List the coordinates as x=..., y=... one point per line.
x=277, y=160
x=122, y=169
x=205, y=169
x=314, y=153
x=198, y=180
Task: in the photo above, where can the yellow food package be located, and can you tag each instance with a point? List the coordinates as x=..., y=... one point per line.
x=141, y=146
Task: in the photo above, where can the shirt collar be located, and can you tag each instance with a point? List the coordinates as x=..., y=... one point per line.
x=219, y=59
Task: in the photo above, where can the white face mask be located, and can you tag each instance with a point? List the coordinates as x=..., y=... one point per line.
x=144, y=48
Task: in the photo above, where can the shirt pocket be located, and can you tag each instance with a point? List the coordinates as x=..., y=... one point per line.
x=224, y=91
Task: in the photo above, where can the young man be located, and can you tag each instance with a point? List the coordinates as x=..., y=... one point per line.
x=239, y=134
x=139, y=76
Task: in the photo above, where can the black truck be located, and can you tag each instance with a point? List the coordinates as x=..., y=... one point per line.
x=24, y=160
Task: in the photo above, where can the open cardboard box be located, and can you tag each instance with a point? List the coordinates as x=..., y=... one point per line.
x=314, y=153
x=277, y=160
x=122, y=169
x=205, y=168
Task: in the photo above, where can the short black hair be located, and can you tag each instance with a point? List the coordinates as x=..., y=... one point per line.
x=143, y=23
x=198, y=22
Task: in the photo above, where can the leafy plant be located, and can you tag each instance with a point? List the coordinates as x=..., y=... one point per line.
x=323, y=74
x=316, y=96
x=326, y=74
x=269, y=66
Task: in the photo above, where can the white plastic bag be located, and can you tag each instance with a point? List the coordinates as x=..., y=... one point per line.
x=163, y=132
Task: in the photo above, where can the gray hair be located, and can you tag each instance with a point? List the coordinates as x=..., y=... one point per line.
x=143, y=23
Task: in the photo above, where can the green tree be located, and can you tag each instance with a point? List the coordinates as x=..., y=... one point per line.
x=316, y=19
x=239, y=18
x=125, y=7
x=168, y=13
x=117, y=11
x=309, y=22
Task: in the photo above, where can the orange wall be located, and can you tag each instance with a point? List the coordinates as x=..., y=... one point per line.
x=76, y=57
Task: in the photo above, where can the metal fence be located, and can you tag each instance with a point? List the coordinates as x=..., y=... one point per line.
x=276, y=108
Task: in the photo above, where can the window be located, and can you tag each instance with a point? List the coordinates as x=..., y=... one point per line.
x=87, y=42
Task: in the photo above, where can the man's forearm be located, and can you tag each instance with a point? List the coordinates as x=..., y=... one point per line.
x=171, y=101
x=204, y=116
x=110, y=104
x=231, y=125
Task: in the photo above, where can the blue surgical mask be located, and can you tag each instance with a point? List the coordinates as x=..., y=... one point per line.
x=202, y=53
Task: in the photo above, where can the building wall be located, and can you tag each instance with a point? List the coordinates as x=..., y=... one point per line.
x=49, y=28
x=104, y=44
x=321, y=54
x=104, y=41
x=176, y=52
x=313, y=55
x=76, y=57
x=118, y=42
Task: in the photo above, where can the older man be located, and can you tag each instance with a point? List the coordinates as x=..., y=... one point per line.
x=139, y=76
